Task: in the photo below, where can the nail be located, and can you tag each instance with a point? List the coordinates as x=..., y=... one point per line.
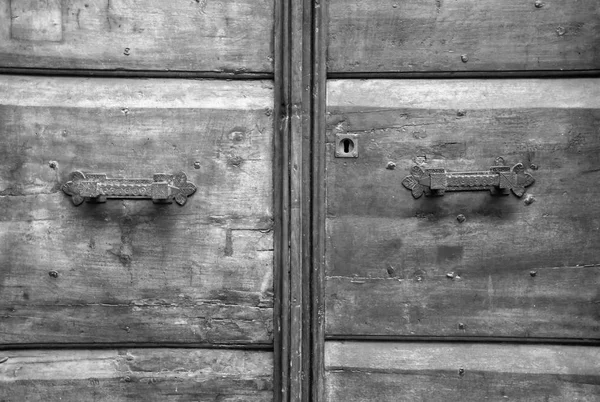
x=529, y=199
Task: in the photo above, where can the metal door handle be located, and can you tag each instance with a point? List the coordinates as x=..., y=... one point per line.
x=98, y=187
x=498, y=180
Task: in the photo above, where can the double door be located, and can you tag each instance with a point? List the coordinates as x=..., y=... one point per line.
x=380, y=201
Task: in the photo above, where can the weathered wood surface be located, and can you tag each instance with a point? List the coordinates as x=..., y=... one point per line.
x=136, y=375
x=134, y=271
x=460, y=372
x=403, y=266
x=225, y=36
x=433, y=35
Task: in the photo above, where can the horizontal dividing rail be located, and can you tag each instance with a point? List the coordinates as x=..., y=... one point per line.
x=463, y=339
x=224, y=75
x=135, y=345
x=250, y=75
x=465, y=74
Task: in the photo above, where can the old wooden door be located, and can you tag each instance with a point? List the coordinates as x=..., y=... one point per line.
x=435, y=294
x=339, y=240
x=127, y=299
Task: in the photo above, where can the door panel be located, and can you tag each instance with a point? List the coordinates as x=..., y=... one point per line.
x=192, y=283
x=136, y=374
x=227, y=36
x=465, y=263
x=131, y=270
x=359, y=371
x=409, y=258
x=463, y=35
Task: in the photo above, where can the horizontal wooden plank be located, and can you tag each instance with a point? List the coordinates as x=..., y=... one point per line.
x=359, y=371
x=464, y=94
x=127, y=270
x=136, y=375
x=462, y=35
x=226, y=36
x=408, y=267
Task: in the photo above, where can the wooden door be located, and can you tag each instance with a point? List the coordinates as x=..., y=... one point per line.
x=318, y=259
x=127, y=299
x=462, y=295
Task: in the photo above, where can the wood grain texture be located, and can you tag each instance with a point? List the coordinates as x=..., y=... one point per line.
x=368, y=371
x=407, y=267
x=416, y=35
x=318, y=201
x=281, y=251
x=36, y=21
x=202, y=35
x=136, y=375
x=126, y=270
x=297, y=127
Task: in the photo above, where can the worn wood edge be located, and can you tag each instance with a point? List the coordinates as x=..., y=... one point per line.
x=463, y=339
x=234, y=75
x=367, y=356
x=465, y=74
x=465, y=93
x=280, y=206
x=94, y=92
x=319, y=213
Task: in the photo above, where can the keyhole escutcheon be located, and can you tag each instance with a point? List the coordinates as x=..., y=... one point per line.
x=346, y=146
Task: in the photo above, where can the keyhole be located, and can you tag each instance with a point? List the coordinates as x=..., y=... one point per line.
x=348, y=145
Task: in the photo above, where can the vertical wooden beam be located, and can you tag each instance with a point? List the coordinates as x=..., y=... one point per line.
x=281, y=203
x=319, y=91
x=299, y=173
x=300, y=131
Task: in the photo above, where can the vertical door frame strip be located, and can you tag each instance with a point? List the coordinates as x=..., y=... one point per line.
x=318, y=211
x=280, y=204
x=299, y=54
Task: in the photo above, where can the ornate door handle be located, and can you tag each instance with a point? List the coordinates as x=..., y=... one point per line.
x=97, y=187
x=498, y=180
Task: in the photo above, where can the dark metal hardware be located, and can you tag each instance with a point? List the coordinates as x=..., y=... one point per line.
x=346, y=146
x=498, y=180
x=97, y=187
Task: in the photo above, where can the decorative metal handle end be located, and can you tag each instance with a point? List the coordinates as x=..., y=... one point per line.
x=97, y=187
x=498, y=180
